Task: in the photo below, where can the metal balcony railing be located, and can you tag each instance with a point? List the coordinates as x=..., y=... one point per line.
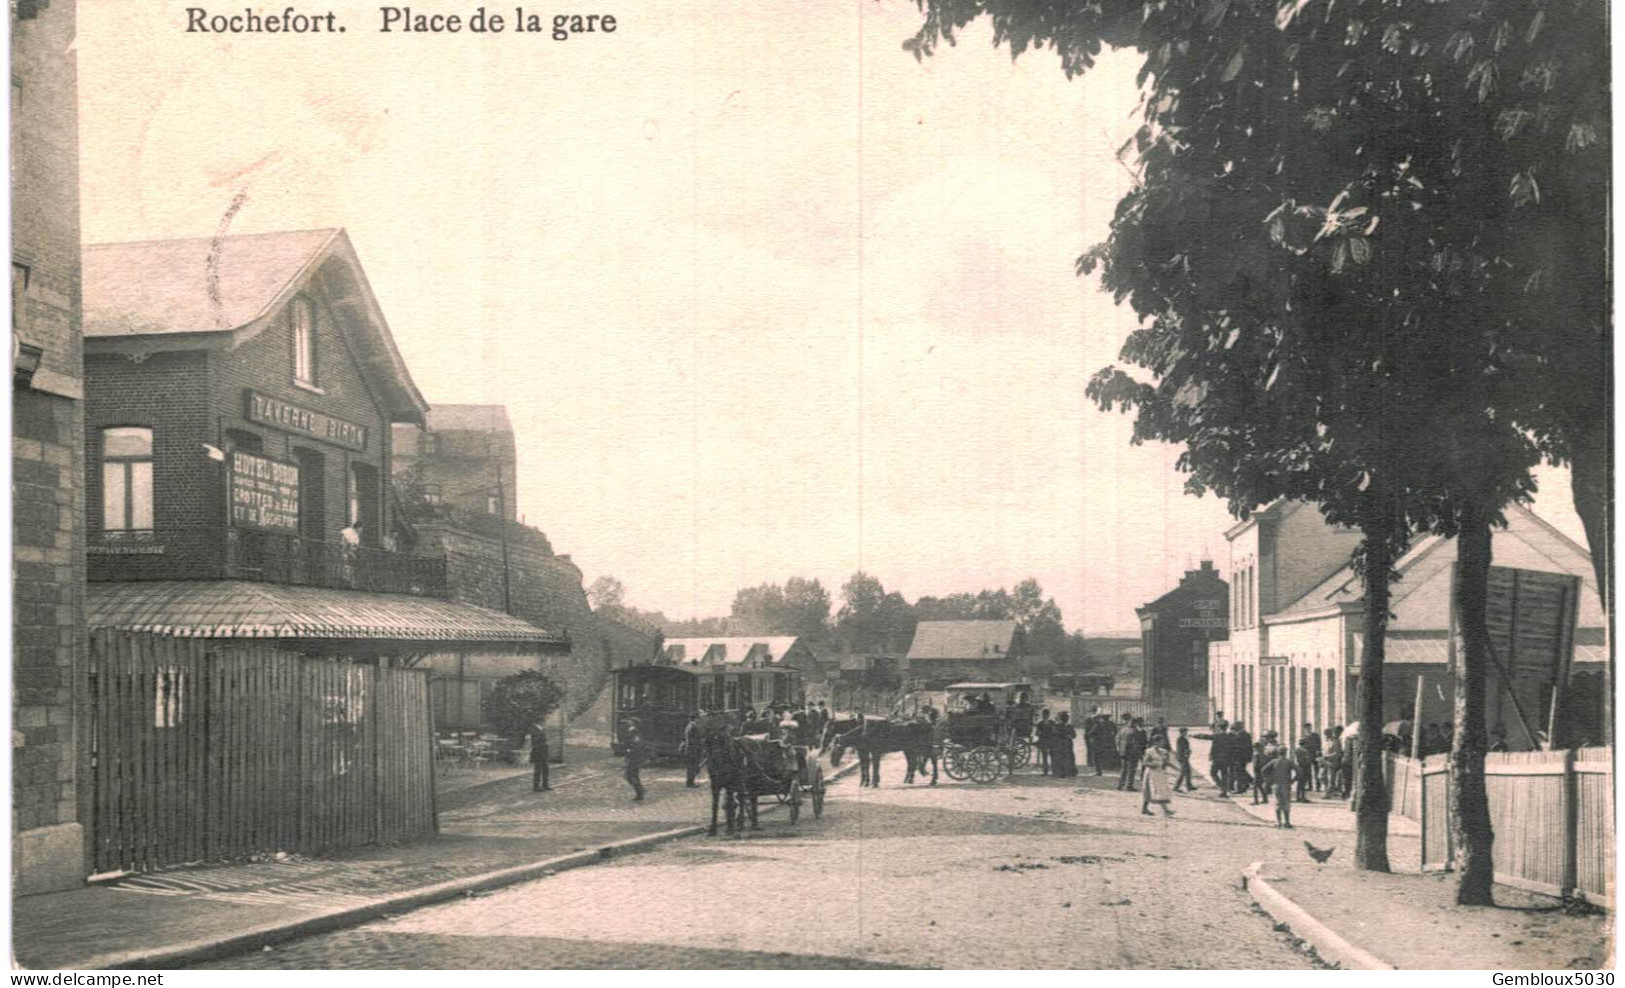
x=276, y=558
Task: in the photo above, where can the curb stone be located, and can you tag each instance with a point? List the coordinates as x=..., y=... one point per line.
x=1329, y=944
x=254, y=938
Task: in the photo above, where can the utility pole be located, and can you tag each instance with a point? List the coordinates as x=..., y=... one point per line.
x=502, y=527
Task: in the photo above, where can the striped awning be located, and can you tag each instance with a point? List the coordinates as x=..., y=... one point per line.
x=244, y=609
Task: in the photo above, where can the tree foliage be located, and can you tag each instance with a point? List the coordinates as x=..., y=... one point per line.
x=520, y=700
x=1365, y=243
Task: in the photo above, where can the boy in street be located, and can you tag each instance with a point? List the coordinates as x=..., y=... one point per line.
x=1182, y=752
x=1261, y=760
x=1278, y=774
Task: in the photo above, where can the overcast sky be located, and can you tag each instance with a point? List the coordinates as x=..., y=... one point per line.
x=763, y=296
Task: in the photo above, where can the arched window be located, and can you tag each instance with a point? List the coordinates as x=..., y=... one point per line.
x=126, y=479
x=302, y=322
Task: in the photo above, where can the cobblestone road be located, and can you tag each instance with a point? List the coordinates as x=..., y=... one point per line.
x=1035, y=873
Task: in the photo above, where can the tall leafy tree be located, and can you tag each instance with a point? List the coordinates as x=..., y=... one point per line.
x=1301, y=360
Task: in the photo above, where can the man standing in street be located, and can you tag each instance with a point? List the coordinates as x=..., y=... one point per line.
x=634, y=757
x=1131, y=742
x=1044, y=731
x=691, y=749
x=538, y=758
x=1241, y=757
x=1218, y=756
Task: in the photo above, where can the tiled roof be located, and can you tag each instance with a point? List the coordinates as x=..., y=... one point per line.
x=242, y=609
x=197, y=285
x=733, y=650
x=962, y=640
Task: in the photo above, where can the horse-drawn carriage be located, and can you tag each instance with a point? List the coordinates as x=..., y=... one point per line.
x=744, y=768
x=986, y=732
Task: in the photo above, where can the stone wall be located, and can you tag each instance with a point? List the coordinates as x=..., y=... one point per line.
x=48, y=659
x=543, y=589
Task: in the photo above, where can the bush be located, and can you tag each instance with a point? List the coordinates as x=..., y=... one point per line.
x=521, y=700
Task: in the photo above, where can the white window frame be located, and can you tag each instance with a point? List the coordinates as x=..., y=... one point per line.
x=134, y=486
x=303, y=335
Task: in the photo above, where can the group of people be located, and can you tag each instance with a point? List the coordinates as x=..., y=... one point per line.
x=1265, y=766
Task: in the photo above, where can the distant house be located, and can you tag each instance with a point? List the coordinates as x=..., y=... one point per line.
x=944, y=652
x=746, y=652
x=870, y=669
x=464, y=458
x=1175, y=631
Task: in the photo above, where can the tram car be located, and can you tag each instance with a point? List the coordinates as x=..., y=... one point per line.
x=663, y=697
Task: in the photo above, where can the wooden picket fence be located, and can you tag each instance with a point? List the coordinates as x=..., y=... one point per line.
x=1552, y=813
x=207, y=751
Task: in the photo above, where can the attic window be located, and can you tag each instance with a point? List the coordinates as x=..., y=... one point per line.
x=302, y=321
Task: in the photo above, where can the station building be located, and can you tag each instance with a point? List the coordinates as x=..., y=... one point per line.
x=240, y=399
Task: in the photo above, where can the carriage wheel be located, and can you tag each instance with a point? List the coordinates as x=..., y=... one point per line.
x=794, y=798
x=984, y=765
x=954, y=766
x=818, y=793
x=1023, y=754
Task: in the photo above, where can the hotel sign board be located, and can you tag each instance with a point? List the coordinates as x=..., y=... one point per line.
x=288, y=417
x=1210, y=615
x=264, y=493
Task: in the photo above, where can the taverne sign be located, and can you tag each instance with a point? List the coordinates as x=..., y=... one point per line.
x=289, y=417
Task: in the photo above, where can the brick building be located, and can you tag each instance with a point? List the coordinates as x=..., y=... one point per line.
x=464, y=459
x=48, y=657
x=240, y=394
x=1175, y=630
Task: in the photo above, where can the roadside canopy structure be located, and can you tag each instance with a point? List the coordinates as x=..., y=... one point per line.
x=312, y=619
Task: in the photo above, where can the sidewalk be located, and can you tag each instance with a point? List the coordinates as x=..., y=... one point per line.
x=1411, y=921
x=487, y=827
x=1407, y=919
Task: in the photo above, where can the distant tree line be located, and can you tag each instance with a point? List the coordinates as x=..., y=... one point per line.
x=869, y=619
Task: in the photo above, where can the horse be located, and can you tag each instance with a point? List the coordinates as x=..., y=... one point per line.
x=873, y=739
x=725, y=772
x=834, y=729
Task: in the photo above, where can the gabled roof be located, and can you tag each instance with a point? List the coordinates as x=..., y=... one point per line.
x=731, y=651
x=222, y=291
x=469, y=418
x=962, y=640
x=1421, y=596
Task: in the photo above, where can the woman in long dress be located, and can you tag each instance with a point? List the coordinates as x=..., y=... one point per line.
x=1154, y=779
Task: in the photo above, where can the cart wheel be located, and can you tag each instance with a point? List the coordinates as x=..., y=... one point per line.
x=953, y=764
x=818, y=793
x=1024, y=753
x=984, y=765
x=794, y=798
